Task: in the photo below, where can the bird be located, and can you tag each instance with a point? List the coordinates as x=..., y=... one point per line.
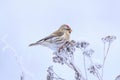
x=57, y=39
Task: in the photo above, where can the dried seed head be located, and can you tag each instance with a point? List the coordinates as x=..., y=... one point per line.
x=82, y=45
x=92, y=69
x=108, y=39
x=88, y=53
x=52, y=75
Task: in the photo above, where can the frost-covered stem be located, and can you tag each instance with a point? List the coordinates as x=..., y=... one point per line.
x=58, y=77
x=106, y=53
x=14, y=54
x=96, y=71
x=19, y=63
x=85, y=67
x=104, y=50
x=105, y=57
x=7, y=46
x=73, y=66
x=97, y=76
x=52, y=75
x=84, y=61
x=68, y=65
x=77, y=71
x=118, y=77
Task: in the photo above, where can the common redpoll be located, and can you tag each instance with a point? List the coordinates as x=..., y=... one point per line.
x=57, y=39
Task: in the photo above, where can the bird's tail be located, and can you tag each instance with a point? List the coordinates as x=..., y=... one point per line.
x=33, y=44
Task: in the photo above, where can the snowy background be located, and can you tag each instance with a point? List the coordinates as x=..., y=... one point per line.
x=25, y=21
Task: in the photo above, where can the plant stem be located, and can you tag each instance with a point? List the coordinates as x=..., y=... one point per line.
x=77, y=71
x=85, y=67
x=105, y=57
x=97, y=76
x=18, y=60
x=97, y=73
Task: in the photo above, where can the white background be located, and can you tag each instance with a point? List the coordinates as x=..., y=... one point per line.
x=26, y=21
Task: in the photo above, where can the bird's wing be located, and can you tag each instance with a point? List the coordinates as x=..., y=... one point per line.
x=49, y=38
x=58, y=33
x=55, y=34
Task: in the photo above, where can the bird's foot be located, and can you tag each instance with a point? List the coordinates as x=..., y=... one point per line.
x=62, y=46
x=60, y=49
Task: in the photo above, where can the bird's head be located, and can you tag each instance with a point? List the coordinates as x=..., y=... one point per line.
x=65, y=28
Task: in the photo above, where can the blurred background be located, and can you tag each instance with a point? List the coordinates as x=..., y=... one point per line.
x=25, y=21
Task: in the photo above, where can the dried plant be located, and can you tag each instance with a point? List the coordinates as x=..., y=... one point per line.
x=118, y=77
x=66, y=57
x=52, y=75
x=107, y=42
x=14, y=53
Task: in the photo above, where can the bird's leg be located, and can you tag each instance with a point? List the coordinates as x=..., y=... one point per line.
x=62, y=46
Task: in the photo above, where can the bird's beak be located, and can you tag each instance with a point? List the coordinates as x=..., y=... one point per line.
x=70, y=31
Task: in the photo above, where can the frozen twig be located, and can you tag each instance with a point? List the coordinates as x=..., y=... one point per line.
x=52, y=75
x=88, y=53
x=85, y=67
x=118, y=77
x=94, y=69
x=19, y=62
x=83, y=45
x=106, y=40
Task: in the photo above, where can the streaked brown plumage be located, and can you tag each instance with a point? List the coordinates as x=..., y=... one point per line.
x=57, y=39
